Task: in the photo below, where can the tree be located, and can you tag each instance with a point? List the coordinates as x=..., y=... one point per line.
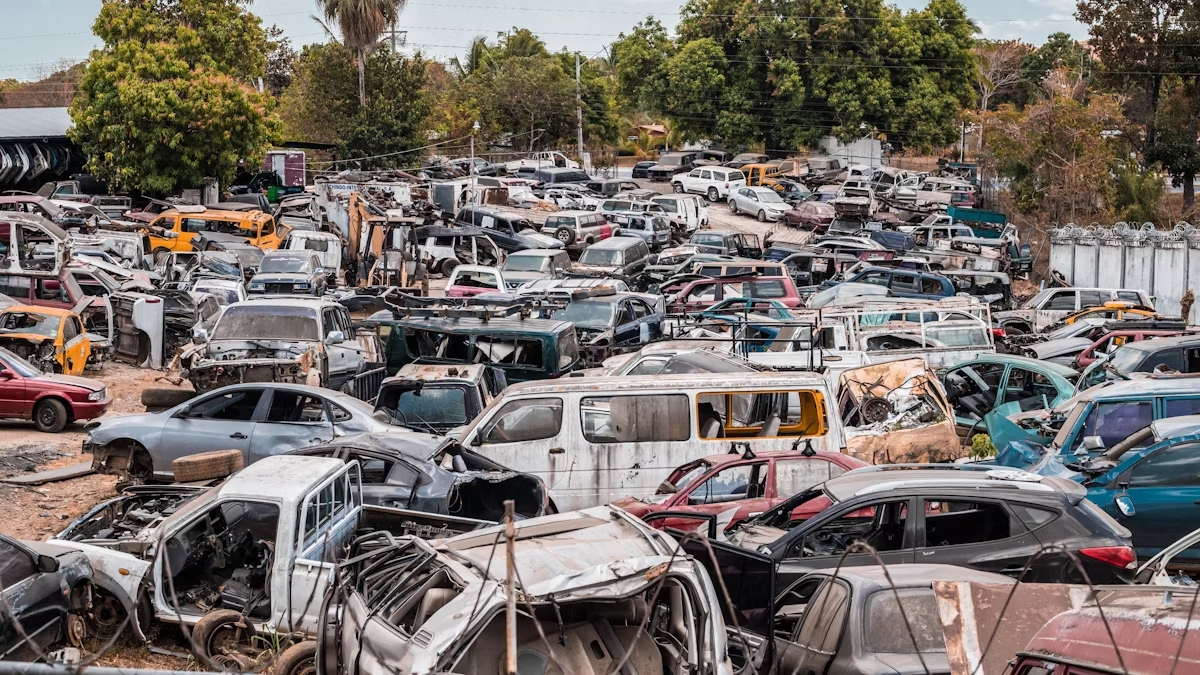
x=1060, y=51
x=999, y=67
x=168, y=99
x=638, y=63
x=1175, y=146
x=281, y=61
x=361, y=23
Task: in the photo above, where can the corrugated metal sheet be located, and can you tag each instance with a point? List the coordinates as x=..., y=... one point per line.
x=32, y=124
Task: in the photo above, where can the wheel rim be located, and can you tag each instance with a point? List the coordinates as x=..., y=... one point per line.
x=306, y=667
x=678, y=188
x=564, y=237
x=46, y=416
x=762, y=216
x=712, y=194
x=105, y=616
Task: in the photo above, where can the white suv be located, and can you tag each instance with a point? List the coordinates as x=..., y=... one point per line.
x=714, y=182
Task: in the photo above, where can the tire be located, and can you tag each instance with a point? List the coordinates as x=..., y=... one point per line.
x=158, y=254
x=677, y=188
x=713, y=195
x=299, y=659
x=217, y=633
x=566, y=235
x=1013, y=330
x=162, y=397
x=207, y=465
x=447, y=267
x=762, y=216
x=50, y=415
x=733, y=207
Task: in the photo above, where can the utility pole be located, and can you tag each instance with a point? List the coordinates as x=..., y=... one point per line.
x=510, y=607
x=962, y=144
x=474, y=171
x=578, y=111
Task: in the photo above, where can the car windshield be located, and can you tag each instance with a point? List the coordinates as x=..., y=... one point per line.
x=601, y=256
x=526, y=263
x=29, y=322
x=226, y=296
x=588, y=314
x=668, y=160
x=1069, y=330
x=708, y=239
x=433, y=405
x=668, y=205
x=886, y=631
x=219, y=264
x=691, y=475
x=1125, y=360
x=285, y=265
x=249, y=257
x=19, y=365
x=258, y=321
x=769, y=196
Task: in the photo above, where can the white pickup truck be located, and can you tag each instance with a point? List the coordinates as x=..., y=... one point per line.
x=540, y=160
x=251, y=556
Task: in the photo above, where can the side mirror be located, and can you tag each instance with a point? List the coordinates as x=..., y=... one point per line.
x=47, y=563
x=475, y=442
x=200, y=335
x=653, y=259
x=1125, y=506
x=6, y=375
x=1093, y=443
x=335, y=337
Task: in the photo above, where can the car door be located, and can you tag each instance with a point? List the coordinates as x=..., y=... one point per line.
x=814, y=644
x=978, y=533
x=1164, y=488
x=649, y=320
x=293, y=419
x=691, y=181
x=741, y=487
x=527, y=434
x=882, y=523
x=76, y=345
x=625, y=330
x=216, y=421
x=343, y=354
x=38, y=598
x=13, y=395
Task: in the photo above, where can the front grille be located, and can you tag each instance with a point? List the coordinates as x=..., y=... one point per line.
x=279, y=288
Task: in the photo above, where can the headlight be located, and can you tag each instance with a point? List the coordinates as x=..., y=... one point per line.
x=302, y=286
x=97, y=395
x=254, y=286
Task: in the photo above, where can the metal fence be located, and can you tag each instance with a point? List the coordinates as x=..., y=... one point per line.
x=366, y=384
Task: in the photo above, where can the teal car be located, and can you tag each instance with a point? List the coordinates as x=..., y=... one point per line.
x=979, y=386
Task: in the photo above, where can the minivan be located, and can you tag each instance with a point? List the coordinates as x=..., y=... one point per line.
x=618, y=256
x=554, y=175
x=597, y=439
x=687, y=213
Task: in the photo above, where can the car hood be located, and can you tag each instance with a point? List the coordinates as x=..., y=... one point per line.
x=539, y=240
x=594, y=270
x=1061, y=347
x=281, y=277
x=84, y=382
x=32, y=337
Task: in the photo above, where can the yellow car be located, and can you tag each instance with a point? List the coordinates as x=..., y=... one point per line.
x=182, y=224
x=50, y=338
x=1114, y=311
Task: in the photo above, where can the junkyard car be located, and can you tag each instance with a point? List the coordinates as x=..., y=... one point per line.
x=578, y=229
x=760, y=202
x=700, y=294
x=617, y=256
x=468, y=280
x=1170, y=355
x=977, y=387
x=671, y=163
x=991, y=521
x=815, y=216
x=303, y=341
x=150, y=328
x=607, y=322
x=226, y=291
x=290, y=272
x=186, y=222
x=750, y=483
x=251, y=556
x=51, y=401
x=851, y=621
x=1115, y=337
x=52, y=338
x=642, y=169
x=1053, y=304
x=433, y=474
x=715, y=182
x=531, y=264
x=724, y=242
x=439, y=399
x=261, y=420
x=595, y=603
x=654, y=230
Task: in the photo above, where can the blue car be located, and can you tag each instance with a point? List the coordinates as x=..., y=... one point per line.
x=1148, y=482
x=903, y=283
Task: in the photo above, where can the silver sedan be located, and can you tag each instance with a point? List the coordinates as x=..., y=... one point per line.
x=261, y=420
x=763, y=203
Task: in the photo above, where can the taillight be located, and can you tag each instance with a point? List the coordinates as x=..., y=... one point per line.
x=999, y=332
x=727, y=186
x=1117, y=556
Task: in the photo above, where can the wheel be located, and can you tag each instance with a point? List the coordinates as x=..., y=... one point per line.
x=677, y=187
x=762, y=216
x=207, y=465
x=299, y=659
x=50, y=415
x=105, y=616
x=1013, y=330
x=566, y=235
x=223, y=637
x=447, y=267
x=733, y=207
x=713, y=195
x=163, y=397
x=159, y=253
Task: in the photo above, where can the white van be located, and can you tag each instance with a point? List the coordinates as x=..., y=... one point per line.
x=326, y=245
x=686, y=212
x=597, y=439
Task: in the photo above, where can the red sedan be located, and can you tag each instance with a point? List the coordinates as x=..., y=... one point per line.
x=750, y=483
x=51, y=401
x=815, y=216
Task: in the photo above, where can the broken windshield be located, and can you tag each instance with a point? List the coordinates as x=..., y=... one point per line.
x=279, y=264
x=526, y=263
x=29, y=322
x=256, y=322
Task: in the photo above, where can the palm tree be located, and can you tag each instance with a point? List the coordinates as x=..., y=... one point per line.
x=474, y=61
x=362, y=23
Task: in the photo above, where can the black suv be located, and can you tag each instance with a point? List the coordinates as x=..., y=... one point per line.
x=977, y=517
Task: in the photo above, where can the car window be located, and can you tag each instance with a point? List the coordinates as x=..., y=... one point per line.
x=732, y=484
x=793, y=476
x=1130, y=296
x=879, y=278
x=632, y=419
x=640, y=309
x=235, y=406
x=880, y=525
x=768, y=289
x=16, y=287
x=525, y=420
x=15, y=565
x=931, y=286
x=52, y=290
x=290, y=406
x=1064, y=300
x=1092, y=298
x=823, y=622
x=1178, y=465
x=71, y=328
x=904, y=283
x=624, y=314
x=648, y=366
x=1177, y=407
x=703, y=293
x=1113, y=422
x=955, y=523
x=886, y=630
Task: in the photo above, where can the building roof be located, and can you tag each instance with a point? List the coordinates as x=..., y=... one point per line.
x=33, y=124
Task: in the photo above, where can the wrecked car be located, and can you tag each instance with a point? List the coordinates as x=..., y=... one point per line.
x=435, y=607
x=609, y=323
x=439, y=399
x=978, y=386
x=51, y=401
x=897, y=413
x=251, y=556
x=272, y=339
x=260, y=420
x=152, y=327
x=53, y=339
x=289, y=273
x=30, y=243
x=435, y=475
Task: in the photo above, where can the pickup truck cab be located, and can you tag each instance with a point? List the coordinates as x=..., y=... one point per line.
x=252, y=556
x=904, y=283
x=540, y=160
x=700, y=294
x=470, y=280
x=1054, y=304
x=534, y=264
x=723, y=242
x=439, y=399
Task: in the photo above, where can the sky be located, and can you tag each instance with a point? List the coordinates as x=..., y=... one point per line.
x=43, y=34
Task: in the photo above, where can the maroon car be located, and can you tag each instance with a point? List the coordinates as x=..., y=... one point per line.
x=51, y=401
x=815, y=216
x=751, y=483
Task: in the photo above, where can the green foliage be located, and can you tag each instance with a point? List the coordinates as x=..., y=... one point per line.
x=1059, y=50
x=321, y=104
x=785, y=73
x=1138, y=193
x=981, y=447
x=168, y=100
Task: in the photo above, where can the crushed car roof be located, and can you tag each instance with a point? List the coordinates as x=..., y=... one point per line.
x=279, y=477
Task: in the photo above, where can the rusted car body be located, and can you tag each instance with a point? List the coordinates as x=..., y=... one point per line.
x=896, y=413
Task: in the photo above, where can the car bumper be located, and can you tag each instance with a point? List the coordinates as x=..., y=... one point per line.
x=90, y=410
